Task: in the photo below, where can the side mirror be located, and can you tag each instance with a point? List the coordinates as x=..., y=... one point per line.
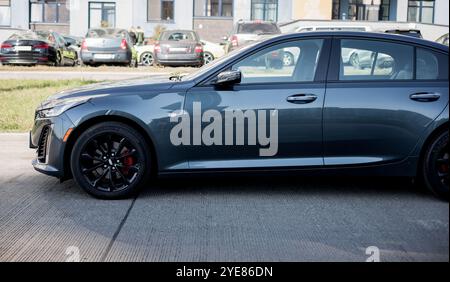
x=228, y=77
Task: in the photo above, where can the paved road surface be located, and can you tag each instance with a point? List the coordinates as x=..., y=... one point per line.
x=253, y=219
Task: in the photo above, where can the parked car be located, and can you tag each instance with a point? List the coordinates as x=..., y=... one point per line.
x=245, y=32
x=37, y=48
x=325, y=118
x=108, y=46
x=408, y=32
x=211, y=51
x=362, y=59
x=75, y=44
x=443, y=39
x=145, y=54
x=332, y=28
x=179, y=47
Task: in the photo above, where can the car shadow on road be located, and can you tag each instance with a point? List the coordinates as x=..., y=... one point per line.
x=308, y=186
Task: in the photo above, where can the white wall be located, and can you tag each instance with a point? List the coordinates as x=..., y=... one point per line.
x=441, y=12
x=183, y=12
x=79, y=15
x=19, y=14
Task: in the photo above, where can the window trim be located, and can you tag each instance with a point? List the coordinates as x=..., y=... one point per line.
x=321, y=70
x=161, y=20
x=43, y=2
x=264, y=11
x=421, y=8
x=335, y=62
x=214, y=17
x=101, y=2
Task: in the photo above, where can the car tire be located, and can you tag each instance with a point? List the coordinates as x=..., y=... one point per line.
x=435, y=165
x=111, y=160
x=354, y=61
x=147, y=59
x=288, y=59
x=207, y=58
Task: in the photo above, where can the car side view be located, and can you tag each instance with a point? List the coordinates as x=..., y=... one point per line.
x=328, y=117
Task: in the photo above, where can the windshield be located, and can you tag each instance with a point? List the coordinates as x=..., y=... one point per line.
x=258, y=28
x=106, y=33
x=227, y=57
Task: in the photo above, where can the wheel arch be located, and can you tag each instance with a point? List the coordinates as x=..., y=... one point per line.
x=438, y=130
x=107, y=118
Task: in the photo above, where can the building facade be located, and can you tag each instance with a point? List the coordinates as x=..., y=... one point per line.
x=212, y=19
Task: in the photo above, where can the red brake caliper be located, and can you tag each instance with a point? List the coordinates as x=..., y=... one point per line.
x=127, y=161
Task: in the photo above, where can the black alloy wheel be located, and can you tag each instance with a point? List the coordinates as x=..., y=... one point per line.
x=110, y=160
x=435, y=167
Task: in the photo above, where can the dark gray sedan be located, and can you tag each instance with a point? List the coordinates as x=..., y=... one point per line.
x=318, y=116
x=179, y=47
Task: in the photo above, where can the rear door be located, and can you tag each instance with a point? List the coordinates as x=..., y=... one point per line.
x=376, y=112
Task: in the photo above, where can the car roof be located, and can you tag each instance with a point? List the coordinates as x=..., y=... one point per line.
x=362, y=34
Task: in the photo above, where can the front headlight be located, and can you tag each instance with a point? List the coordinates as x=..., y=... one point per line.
x=53, y=108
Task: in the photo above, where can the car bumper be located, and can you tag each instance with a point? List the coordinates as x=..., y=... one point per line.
x=47, y=137
x=106, y=57
x=25, y=59
x=180, y=59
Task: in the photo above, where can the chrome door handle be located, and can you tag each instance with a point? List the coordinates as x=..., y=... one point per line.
x=425, y=97
x=302, y=98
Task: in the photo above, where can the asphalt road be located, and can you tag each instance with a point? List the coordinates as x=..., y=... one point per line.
x=251, y=219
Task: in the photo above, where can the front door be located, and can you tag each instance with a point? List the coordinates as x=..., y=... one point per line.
x=278, y=104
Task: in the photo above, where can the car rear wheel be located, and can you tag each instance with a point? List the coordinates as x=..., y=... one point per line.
x=208, y=58
x=354, y=61
x=435, y=166
x=147, y=59
x=288, y=59
x=111, y=160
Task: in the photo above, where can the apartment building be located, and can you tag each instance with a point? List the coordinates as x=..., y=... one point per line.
x=213, y=19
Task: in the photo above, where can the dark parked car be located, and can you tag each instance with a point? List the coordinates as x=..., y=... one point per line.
x=325, y=117
x=179, y=47
x=37, y=48
x=108, y=46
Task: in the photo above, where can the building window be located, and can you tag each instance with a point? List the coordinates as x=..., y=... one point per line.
x=361, y=10
x=213, y=8
x=49, y=11
x=102, y=14
x=266, y=10
x=5, y=12
x=421, y=11
x=160, y=10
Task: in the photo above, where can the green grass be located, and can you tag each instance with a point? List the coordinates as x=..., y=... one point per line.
x=19, y=99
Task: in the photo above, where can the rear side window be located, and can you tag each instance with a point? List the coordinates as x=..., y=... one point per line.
x=431, y=65
x=375, y=60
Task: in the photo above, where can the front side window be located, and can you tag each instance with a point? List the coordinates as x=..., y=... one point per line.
x=102, y=14
x=49, y=11
x=431, y=65
x=265, y=10
x=421, y=11
x=374, y=60
x=5, y=12
x=160, y=10
x=213, y=8
x=294, y=61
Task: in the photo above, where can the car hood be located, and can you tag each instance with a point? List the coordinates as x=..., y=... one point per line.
x=123, y=87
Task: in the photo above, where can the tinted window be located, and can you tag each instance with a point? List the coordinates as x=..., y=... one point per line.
x=375, y=60
x=258, y=28
x=431, y=65
x=288, y=62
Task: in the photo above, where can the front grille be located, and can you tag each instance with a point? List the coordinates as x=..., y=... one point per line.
x=42, y=147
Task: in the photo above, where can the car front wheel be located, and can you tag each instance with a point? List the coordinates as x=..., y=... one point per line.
x=111, y=160
x=435, y=166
